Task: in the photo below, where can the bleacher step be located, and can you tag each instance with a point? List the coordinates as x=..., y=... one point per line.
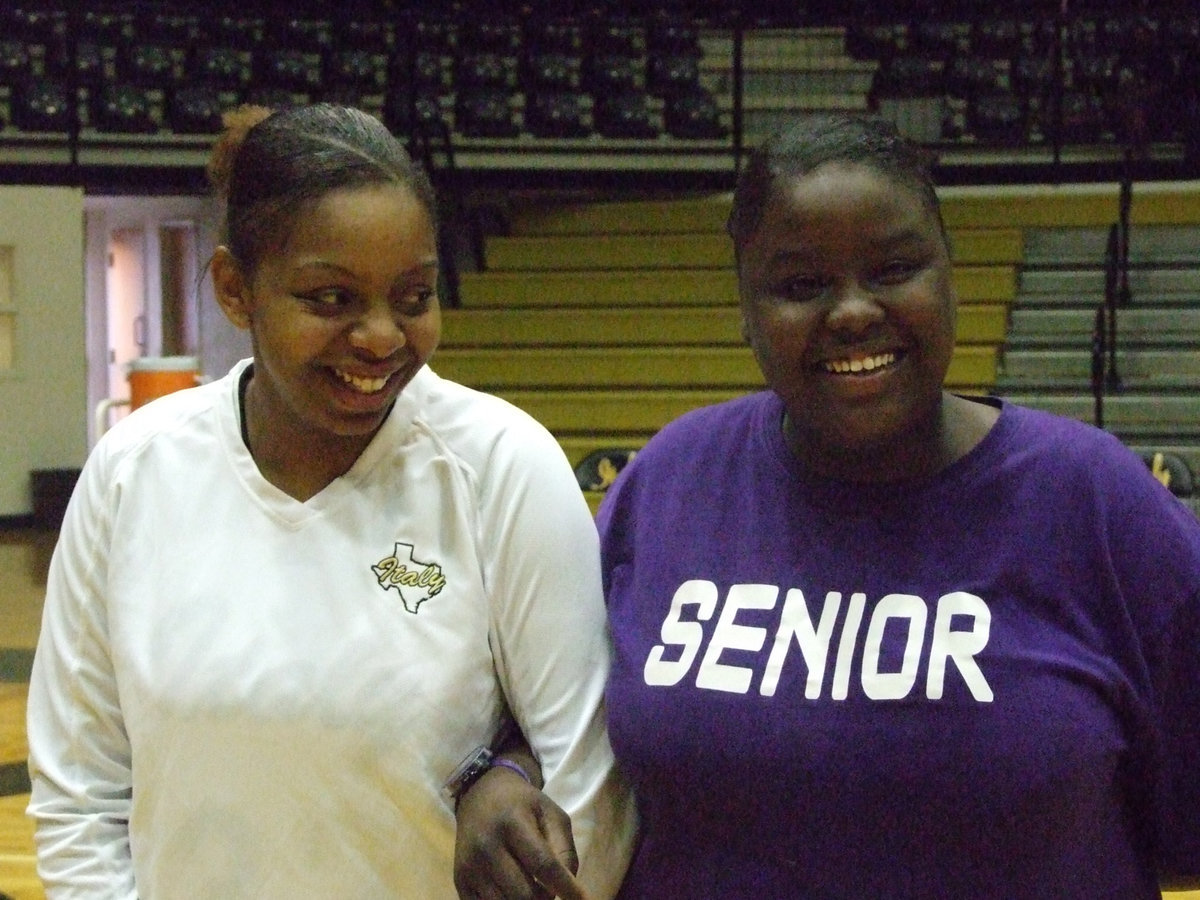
x=1149, y=245
x=609, y=252
x=616, y=412
x=1136, y=324
x=632, y=326
x=1069, y=206
x=493, y=369
x=1087, y=285
x=490, y=369
x=573, y=252
x=647, y=288
x=1130, y=415
x=635, y=326
x=1166, y=369
x=694, y=215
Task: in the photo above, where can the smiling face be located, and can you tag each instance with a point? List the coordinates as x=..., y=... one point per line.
x=342, y=316
x=848, y=304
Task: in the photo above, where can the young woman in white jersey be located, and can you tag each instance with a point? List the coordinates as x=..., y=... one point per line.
x=286, y=605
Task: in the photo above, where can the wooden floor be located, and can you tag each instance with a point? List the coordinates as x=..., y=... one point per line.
x=24, y=558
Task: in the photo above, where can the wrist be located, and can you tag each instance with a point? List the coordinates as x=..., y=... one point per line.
x=478, y=763
x=503, y=762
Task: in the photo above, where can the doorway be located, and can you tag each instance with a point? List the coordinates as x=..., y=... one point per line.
x=147, y=294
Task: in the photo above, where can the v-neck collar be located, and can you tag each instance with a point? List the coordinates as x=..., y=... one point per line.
x=278, y=503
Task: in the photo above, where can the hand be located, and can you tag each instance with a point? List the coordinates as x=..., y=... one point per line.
x=513, y=843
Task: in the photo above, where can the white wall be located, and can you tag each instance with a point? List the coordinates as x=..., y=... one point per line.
x=43, y=397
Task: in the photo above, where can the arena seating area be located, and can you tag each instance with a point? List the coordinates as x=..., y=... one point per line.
x=606, y=321
x=608, y=85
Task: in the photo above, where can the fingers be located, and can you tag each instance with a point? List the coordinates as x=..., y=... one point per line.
x=548, y=855
x=503, y=878
x=514, y=843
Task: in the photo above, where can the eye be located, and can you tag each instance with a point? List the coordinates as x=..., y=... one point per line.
x=800, y=288
x=328, y=299
x=416, y=301
x=897, y=271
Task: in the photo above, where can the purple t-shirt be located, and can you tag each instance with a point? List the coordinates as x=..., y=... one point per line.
x=983, y=685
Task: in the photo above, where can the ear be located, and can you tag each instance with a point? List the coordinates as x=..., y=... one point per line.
x=231, y=288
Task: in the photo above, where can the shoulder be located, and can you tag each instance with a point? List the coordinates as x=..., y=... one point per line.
x=708, y=432
x=480, y=428
x=1048, y=427
x=1058, y=442
x=1082, y=468
x=153, y=451
x=690, y=456
x=173, y=424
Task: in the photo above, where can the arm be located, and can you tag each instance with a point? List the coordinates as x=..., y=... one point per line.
x=79, y=754
x=550, y=645
x=1178, y=690
x=1156, y=554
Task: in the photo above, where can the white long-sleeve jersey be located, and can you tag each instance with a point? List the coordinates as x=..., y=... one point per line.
x=240, y=695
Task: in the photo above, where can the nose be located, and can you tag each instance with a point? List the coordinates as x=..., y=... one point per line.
x=855, y=307
x=378, y=332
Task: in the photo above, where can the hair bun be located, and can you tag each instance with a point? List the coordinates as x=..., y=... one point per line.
x=237, y=124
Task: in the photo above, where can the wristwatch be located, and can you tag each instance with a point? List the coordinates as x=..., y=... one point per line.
x=468, y=772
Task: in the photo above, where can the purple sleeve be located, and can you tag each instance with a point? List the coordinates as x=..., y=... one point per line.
x=1177, y=687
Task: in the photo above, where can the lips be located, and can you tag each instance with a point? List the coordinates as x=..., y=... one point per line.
x=859, y=365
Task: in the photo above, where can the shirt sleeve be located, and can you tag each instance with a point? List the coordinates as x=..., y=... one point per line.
x=551, y=646
x=79, y=753
x=1155, y=547
x=1178, y=708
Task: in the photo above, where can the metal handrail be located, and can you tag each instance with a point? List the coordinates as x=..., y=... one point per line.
x=1106, y=378
x=1101, y=337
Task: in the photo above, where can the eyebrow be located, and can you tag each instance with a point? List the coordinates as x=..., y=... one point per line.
x=427, y=265
x=887, y=242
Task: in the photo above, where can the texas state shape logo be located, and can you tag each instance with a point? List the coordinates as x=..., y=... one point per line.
x=413, y=580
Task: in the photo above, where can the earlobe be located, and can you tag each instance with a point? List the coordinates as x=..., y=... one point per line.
x=231, y=288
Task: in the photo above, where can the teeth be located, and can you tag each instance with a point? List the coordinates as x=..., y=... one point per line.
x=365, y=385
x=864, y=364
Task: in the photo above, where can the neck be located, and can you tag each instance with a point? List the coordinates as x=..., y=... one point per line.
x=924, y=449
x=299, y=461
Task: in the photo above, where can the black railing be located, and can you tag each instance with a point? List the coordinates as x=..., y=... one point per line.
x=1106, y=377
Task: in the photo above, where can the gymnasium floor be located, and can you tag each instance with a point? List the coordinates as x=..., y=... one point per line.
x=24, y=557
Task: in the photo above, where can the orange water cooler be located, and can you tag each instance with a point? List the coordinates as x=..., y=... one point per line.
x=151, y=377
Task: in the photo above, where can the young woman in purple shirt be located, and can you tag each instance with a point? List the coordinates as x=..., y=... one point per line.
x=872, y=638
